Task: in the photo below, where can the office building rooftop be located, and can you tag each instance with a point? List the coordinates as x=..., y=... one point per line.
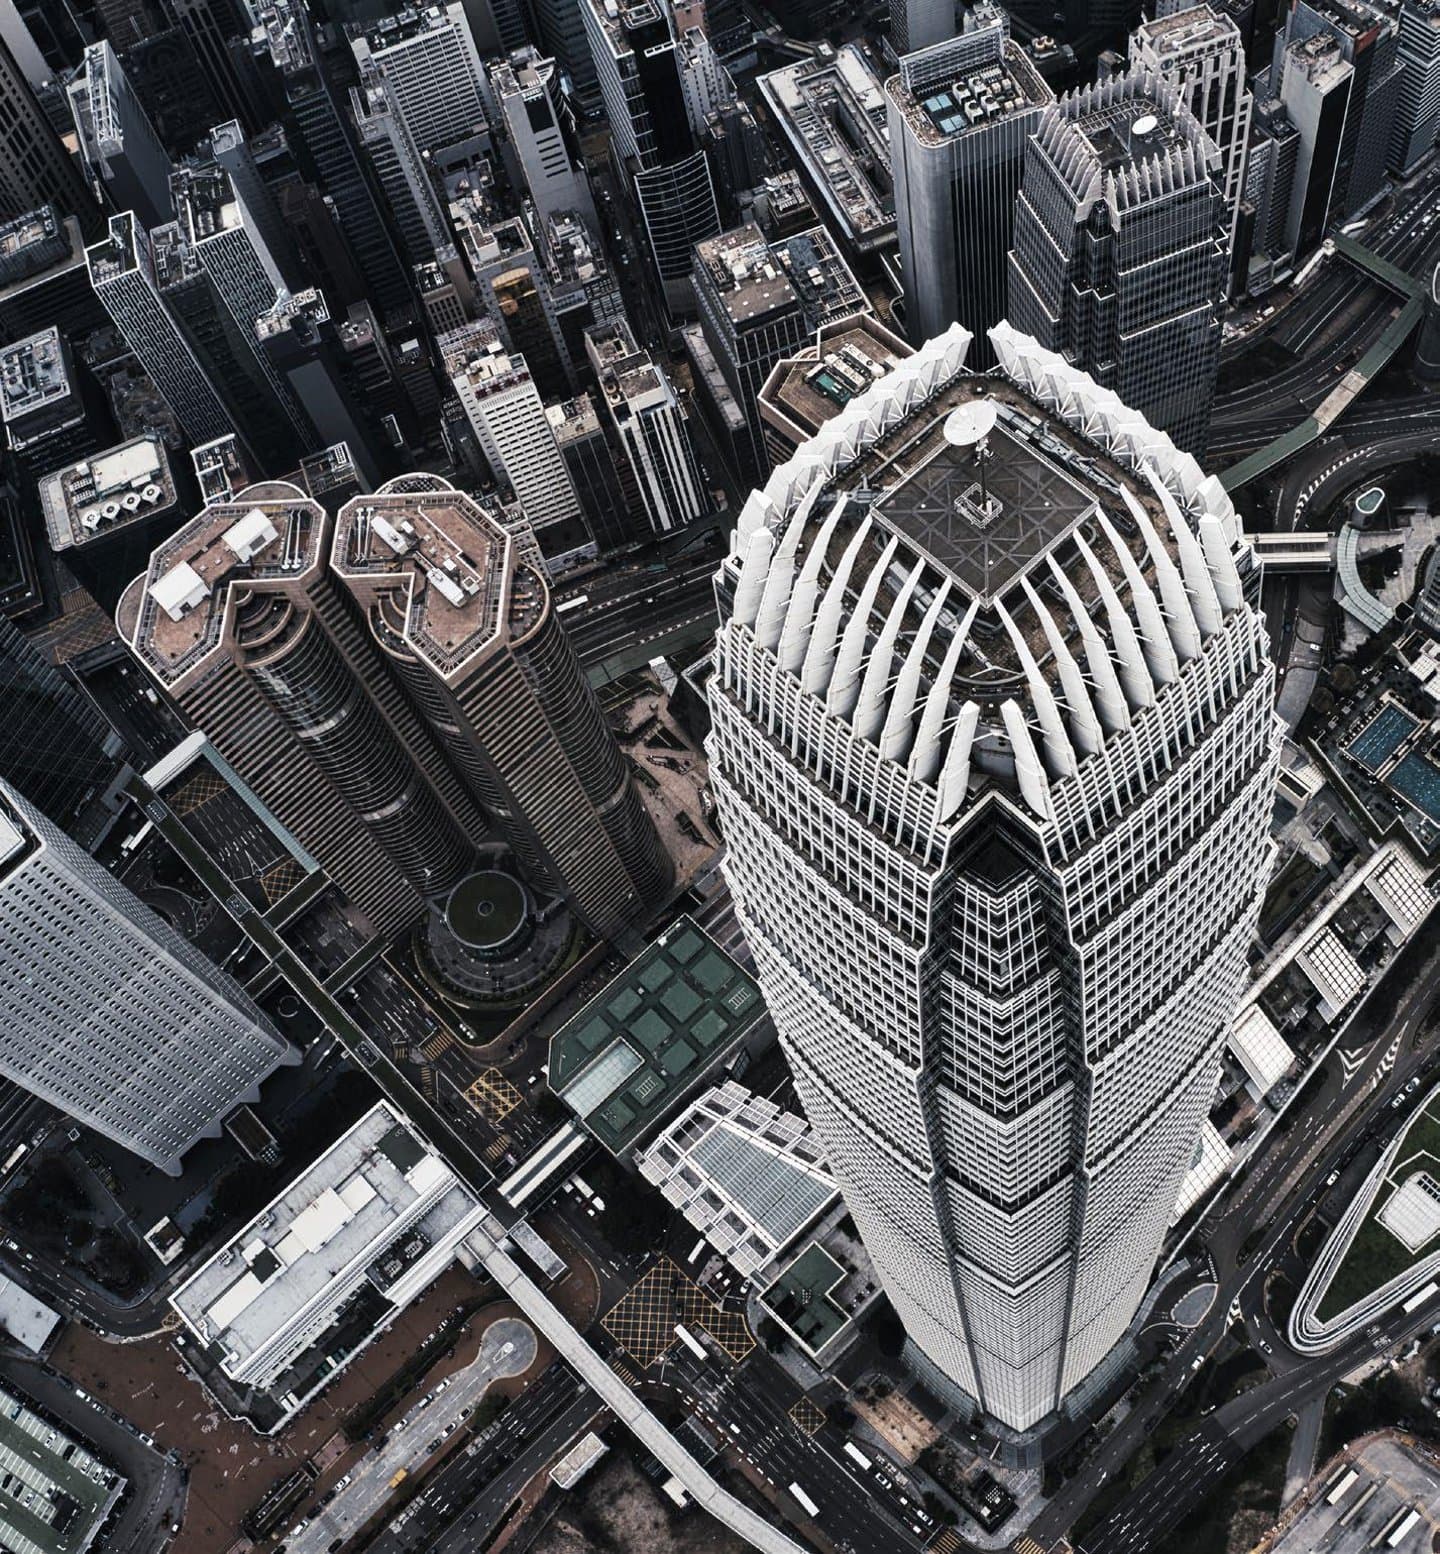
x=220, y=468
x=832, y=111
x=745, y=275
x=627, y=374
x=824, y=283
x=458, y=581
x=964, y=84
x=34, y=376
x=107, y=492
x=31, y=242
x=174, y=615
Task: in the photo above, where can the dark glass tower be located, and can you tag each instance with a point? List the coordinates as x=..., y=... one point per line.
x=55, y=748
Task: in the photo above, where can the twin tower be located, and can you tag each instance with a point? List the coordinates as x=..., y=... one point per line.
x=394, y=684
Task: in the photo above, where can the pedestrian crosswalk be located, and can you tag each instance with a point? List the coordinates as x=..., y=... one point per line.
x=1027, y=1545
x=439, y=1043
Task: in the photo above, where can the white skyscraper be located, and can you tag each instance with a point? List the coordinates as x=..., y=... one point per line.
x=433, y=68
x=1201, y=54
x=994, y=751
x=508, y=418
x=650, y=425
x=106, y=1012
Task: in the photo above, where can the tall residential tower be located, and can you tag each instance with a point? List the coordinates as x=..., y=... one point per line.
x=239, y=620
x=460, y=607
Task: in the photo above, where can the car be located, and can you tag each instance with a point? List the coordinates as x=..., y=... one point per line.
x=1333, y=1177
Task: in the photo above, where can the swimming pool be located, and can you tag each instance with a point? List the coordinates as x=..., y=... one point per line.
x=1417, y=780
x=1381, y=737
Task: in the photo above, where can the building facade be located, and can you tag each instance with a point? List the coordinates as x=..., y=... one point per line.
x=1121, y=253
x=460, y=607
x=999, y=903
x=107, y=1012
x=960, y=114
x=1201, y=54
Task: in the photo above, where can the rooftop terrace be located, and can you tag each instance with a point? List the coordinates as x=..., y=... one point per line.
x=446, y=571
x=175, y=617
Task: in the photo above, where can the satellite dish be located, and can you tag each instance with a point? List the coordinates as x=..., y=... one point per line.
x=971, y=423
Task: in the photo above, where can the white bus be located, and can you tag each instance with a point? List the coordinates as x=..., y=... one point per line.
x=566, y=605
x=1419, y=1298
x=1346, y=1483
x=690, y=1341
x=853, y=1452
x=806, y=1503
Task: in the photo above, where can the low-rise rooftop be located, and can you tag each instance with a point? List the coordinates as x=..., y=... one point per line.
x=107, y=492
x=806, y=390
x=367, y=1211
x=652, y=1035
x=58, y=1494
x=832, y=111
x=34, y=377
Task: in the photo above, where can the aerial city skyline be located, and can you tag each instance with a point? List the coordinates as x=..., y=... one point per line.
x=719, y=776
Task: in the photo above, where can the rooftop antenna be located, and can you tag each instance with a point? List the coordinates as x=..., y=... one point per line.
x=969, y=426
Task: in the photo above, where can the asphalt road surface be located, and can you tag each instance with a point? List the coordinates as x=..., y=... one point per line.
x=507, y=1348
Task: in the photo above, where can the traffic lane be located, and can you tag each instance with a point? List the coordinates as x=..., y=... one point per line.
x=749, y=1411
x=507, y=1348
x=1245, y=1284
x=480, y=1516
x=541, y=1414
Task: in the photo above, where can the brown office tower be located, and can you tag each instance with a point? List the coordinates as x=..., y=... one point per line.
x=240, y=621
x=461, y=605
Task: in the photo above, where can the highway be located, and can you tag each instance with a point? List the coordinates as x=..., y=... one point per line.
x=507, y=1348
x=643, y=606
x=1327, y=325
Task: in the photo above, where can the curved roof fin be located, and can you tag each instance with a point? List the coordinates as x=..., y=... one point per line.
x=1084, y=725
x=800, y=611
x=1203, y=598
x=870, y=709
x=1057, y=742
x=770, y=618
x=1179, y=614
x=925, y=753
x=753, y=572
x=1134, y=675
x=1028, y=772
x=845, y=681
x=900, y=719
x=1160, y=656
x=820, y=652
x=955, y=774
x=1222, y=563
x=1109, y=698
